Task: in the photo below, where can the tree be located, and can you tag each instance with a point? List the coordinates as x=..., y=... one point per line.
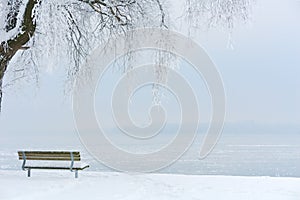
x=30, y=25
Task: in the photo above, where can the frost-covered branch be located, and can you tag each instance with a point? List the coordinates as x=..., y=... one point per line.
x=9, y=48
x=217, y=12
x=58, y=33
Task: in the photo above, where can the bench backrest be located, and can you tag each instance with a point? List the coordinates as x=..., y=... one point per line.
x=49, y=155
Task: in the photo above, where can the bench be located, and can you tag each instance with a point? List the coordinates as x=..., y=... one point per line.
x=71, y=156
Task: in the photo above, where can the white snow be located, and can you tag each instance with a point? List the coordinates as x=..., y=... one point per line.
x=110, y=185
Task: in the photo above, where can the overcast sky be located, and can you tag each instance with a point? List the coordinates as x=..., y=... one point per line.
x=260, y=74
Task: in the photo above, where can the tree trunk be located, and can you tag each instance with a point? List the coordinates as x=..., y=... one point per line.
x=9, y=48
x=3, y=67
x=1, y=93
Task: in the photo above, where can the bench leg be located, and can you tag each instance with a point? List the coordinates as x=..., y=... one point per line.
x=28, y=173
x=76, y=173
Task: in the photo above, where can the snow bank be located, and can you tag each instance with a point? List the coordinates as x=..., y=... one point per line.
x=109, y=185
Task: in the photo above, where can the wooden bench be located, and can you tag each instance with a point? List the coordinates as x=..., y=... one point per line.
x=71, y=156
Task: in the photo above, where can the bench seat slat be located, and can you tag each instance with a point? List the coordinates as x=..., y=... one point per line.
x=46, y=153
x=61, y=168
x=51, y=158
x=49, y=155
x=41, y=152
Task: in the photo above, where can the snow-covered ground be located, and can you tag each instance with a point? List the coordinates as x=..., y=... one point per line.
x=111, y=185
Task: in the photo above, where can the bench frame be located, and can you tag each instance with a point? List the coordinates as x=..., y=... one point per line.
x=51, y=155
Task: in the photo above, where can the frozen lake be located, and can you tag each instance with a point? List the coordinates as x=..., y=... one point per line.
x=235, y=154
